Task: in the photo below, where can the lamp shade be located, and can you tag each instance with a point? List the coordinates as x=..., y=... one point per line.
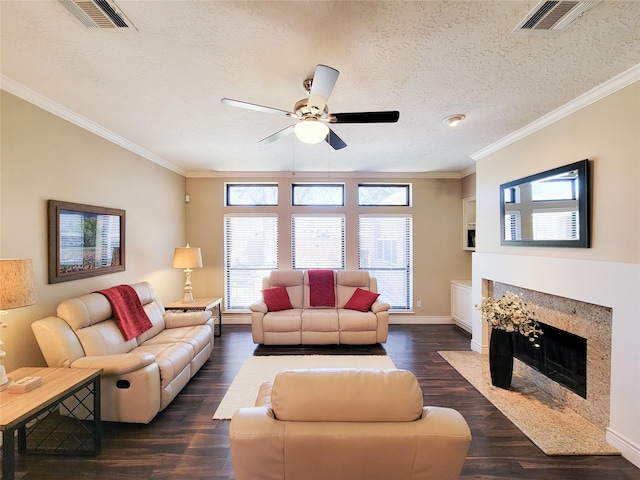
x=311, y=131
x=187, y=257
x=17, y=283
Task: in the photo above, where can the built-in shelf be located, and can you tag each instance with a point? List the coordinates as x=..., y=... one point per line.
x=469, y=223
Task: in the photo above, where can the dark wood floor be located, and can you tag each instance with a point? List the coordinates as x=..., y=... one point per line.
x=184, y=442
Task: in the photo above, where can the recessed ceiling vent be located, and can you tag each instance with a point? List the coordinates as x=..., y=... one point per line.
x=97, y=13
x=553, y=15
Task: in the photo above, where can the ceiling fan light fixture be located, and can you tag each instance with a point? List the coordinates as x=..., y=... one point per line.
x=311, y=131
x=454, y=120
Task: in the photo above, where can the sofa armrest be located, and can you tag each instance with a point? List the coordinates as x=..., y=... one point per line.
x=257, y=442
x=380, y=307
x=259, y=307
x=186, y=319
x=116, y=364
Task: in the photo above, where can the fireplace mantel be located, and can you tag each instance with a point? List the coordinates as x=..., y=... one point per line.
x=610, y=284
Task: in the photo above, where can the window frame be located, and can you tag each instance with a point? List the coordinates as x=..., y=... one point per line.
x=343, y=226
x=312, y=184
x=408, y=269
x=406, y=186
x=226, y=263
x=229, y=185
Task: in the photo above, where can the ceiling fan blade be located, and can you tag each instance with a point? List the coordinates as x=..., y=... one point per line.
x=253, y=106
x=366, y=117
x=278, y=135
x=324, y=79
x=335, y=141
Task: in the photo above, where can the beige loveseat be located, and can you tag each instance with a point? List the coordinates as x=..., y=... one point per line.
x=346, y=424
x=308, y=324
x=141, y=376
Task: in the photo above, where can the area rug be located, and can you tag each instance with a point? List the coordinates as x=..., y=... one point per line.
x=257, y=370
x=555, y=429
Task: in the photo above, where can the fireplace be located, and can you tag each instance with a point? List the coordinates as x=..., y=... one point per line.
x=586, y=328
x=561, y=356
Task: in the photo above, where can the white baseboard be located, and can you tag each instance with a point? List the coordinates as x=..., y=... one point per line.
x=402, y=319
x=394, y=319
x=629, y=451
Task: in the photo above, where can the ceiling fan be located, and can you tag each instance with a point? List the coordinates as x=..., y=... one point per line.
x=313, y=112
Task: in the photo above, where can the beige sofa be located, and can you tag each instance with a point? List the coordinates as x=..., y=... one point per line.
x=141, y=376
x=306, y=324
x=346, y=424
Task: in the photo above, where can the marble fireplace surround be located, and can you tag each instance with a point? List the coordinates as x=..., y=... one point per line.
x=611, y=284
x=586, y=320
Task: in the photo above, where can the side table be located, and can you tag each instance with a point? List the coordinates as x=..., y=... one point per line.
x=200, y=304
x=61, y=416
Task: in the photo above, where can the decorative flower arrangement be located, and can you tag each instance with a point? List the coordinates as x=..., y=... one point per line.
x=512, y=314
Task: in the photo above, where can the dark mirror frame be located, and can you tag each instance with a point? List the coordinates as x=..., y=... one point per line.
x=57, y=272
x=584, y=207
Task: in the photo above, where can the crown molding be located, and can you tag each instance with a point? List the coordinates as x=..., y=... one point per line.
x=609, y=87
x=468, y=171
x=383, y=176
x=25, y=93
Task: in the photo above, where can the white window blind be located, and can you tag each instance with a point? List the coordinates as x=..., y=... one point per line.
x=250, y=253
x=318, y=242
x=385, y=249
x=555, y=225
x=512, y=226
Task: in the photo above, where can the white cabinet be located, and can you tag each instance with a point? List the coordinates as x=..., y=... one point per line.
x=461, y=307
x=469, y=223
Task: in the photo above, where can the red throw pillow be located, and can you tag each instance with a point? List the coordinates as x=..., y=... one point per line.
x=361, y=300
x=276, y=299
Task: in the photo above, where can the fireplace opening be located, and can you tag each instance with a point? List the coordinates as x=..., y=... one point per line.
x=562, y=356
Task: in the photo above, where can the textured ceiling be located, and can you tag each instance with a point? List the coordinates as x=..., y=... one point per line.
x=159, y=86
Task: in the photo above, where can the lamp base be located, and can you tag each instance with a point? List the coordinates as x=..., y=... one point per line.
x=188, y=289
x=4, y=380
x=188, y=297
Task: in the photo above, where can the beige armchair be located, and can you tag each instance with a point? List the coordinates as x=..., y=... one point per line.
x=346, y=424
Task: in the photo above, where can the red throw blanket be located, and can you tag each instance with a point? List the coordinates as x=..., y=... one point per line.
x=128, y=311
x=321, y=290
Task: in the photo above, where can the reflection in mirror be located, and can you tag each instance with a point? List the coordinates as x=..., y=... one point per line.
x=547, y=209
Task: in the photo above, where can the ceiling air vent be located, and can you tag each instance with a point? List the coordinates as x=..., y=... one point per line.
x=556, y=15
x=97, y=13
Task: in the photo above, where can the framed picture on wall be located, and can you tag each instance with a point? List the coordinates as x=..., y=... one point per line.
x=84, y=241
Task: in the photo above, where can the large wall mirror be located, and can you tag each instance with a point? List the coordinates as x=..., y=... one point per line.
x=547, y=209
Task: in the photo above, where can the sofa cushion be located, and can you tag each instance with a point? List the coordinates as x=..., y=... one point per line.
x=196, y=337
x=104, y=338
x=348, y=281
x=346, y=395
x=276, y=299
x=320, y=320
x=361, y=300
x=171, y=359
x=356, y=321
x=283, y=321
x=292, y=280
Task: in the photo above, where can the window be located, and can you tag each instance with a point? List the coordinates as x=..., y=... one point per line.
x=252, y=194
x=250, y=253
x=385, y=249
x=318, y=242
x=318, y=194
x=384, y=194
x=555, y=225
x=512, y=226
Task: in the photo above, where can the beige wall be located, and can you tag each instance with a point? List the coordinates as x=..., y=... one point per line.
x=607, y=133
x=437, y=234
x=468, y=186
x=44, y=157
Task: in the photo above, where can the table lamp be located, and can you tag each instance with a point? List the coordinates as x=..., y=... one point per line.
x=17, y=289
x=187, y=258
